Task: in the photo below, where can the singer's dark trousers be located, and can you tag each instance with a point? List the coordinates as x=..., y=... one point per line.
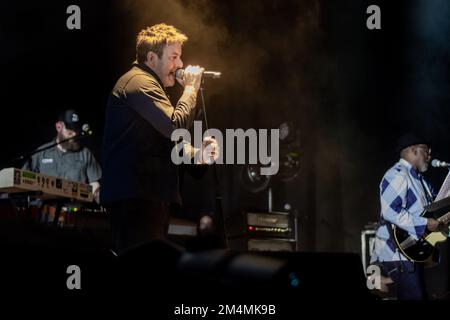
x=408, y=279
x=137, y=221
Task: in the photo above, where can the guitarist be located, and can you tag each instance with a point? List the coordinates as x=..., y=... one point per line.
x=403, y=195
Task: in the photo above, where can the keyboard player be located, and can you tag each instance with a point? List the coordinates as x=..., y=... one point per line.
x=68, y=160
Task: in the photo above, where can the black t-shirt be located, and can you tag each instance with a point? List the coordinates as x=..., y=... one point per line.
x=79, y=166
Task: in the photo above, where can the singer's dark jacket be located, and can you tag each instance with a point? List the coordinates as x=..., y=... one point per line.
x=136, y=151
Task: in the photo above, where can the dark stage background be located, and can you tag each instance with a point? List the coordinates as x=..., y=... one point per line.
x=349, y=91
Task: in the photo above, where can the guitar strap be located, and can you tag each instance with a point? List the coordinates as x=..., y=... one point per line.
x=426, y=190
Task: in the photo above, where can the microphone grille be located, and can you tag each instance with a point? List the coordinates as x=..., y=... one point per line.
x=86, y=129
x=179, y=73
x=435, y=163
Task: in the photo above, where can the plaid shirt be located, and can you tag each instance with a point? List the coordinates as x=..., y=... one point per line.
x=403, y=197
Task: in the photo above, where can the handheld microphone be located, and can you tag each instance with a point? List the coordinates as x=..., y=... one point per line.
x=439, y=164
x=206, y=74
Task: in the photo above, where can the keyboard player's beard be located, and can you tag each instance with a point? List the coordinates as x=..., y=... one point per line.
x=69, y=145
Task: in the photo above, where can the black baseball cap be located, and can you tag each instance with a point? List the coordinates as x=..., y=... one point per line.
x=71, y=120
x=410, y=139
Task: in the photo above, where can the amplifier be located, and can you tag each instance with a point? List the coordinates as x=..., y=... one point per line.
x=271, y=245
x=182, y=227
x=273, y=224
x=367, y=243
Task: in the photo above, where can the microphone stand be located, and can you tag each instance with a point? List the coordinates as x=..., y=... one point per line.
x=219, y=198
x=29, y=155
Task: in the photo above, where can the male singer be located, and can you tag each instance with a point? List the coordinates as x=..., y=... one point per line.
x=140, y=181
x=403, y=195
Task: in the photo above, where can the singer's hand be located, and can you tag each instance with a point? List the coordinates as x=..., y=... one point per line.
x=210, y=151
x=192, y=78
x=432, y=224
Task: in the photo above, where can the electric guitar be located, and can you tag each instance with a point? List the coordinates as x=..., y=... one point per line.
x=424, y=249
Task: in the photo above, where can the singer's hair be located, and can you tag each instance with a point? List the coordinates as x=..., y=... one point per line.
x=155, y=38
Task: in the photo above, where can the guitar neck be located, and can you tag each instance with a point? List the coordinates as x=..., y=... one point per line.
x=445, y=218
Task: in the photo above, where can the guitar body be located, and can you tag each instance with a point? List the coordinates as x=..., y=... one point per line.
x=422, y=250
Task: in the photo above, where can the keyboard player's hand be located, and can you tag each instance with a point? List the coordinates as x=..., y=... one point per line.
x=96, y=191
